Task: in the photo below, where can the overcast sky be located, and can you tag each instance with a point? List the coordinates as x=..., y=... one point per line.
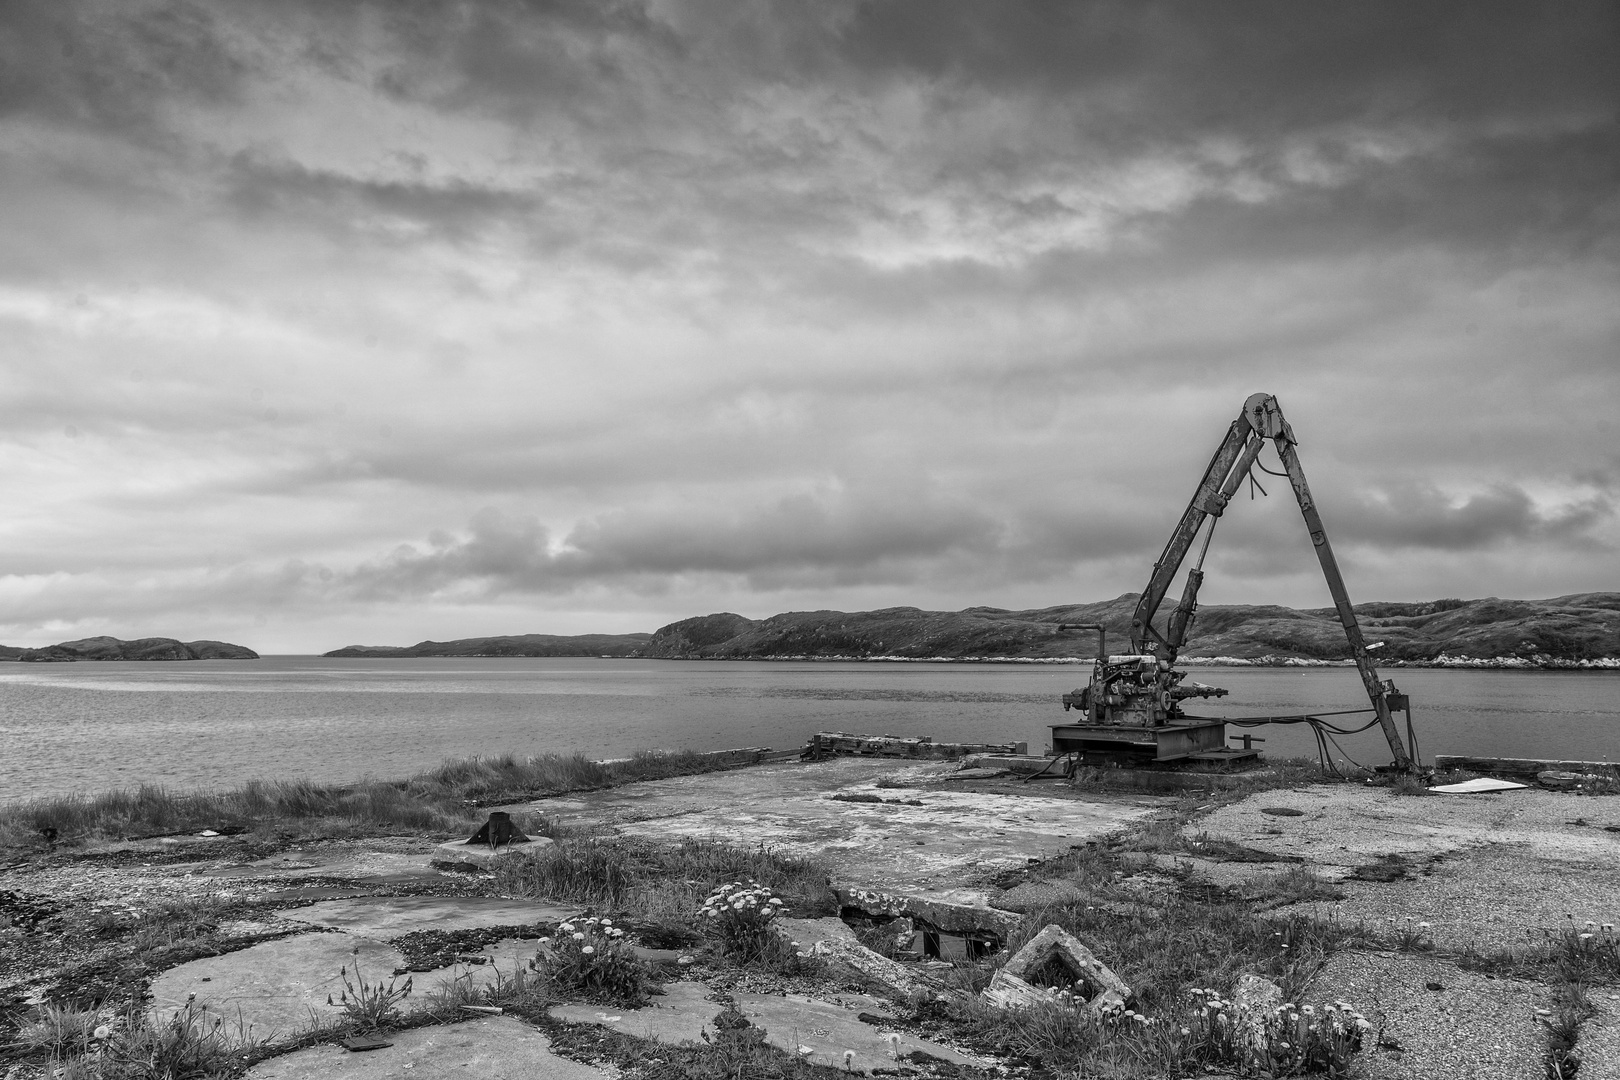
x=345, y=322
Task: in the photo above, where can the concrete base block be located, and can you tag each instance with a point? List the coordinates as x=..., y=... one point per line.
x=462, y=853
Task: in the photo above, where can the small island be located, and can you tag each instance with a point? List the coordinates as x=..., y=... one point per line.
x=111, y=648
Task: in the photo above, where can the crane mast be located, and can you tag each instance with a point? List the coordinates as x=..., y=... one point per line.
x=1133, y=701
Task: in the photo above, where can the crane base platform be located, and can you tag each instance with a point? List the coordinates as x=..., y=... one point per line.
x=1122, y=742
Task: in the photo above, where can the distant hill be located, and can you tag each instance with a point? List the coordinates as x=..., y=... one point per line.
x=111, y=648
x=518, y=645
x=1566, y=629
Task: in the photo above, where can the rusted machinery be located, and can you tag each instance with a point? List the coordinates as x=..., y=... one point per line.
x=1132, y=705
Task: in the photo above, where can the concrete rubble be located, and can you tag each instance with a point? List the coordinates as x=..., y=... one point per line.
x=833, y=943
x=1056, y=953
x=1254, y=1000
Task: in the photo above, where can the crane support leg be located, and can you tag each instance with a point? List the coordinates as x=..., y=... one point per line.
x=1376, y=690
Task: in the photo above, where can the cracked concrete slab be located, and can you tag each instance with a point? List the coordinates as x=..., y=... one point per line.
x=390, y=916
x=681, y=1015
x=497, y=1048
x=503, y=961
x=282, y=986
x=278, y=988
x=831, y=1034
x=347, y=861
x=930, y=850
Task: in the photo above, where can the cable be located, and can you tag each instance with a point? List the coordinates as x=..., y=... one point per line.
x=1320, y=728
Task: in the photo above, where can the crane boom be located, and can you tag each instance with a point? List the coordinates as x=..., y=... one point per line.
x=1124, y=690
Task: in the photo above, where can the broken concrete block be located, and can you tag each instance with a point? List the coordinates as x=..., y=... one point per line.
x=1254, y=1001
x=1561, y=780
x=1055, y=954
x=936, y=912
x=836, y=945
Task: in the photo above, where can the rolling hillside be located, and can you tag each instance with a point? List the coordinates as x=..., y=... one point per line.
x=1563, y=630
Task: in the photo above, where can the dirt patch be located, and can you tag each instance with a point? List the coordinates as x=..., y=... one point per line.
x=1386, y=869
x=430, y=950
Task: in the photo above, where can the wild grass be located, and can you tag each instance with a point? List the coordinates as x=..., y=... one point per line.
x=1583, y=953
x=662, y=883
x=190, y=1045
x=444, y=799
x=369, y=1007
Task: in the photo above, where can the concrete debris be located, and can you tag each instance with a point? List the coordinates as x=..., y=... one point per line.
x=1561, y=780
x=1254, y=1000
x=824, y=744
x=940, y=914
x=835, y=944
x=1055, y=953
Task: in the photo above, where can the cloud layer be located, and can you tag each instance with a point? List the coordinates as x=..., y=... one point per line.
x=381, y=321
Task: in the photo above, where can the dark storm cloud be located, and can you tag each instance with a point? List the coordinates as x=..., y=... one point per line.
x=1418, y=515
x=827, y=538
x=264, y=188
x=112, y=66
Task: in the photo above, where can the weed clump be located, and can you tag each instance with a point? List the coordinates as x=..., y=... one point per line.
x=188, y=1046
x=369, y=1006
x=1287, y=1040
x=591, y=957
x=739, y=916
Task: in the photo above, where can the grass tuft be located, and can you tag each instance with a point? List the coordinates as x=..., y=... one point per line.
x=444, y=799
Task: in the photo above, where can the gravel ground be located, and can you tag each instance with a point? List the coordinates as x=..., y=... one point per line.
x=1350, y=825
x=1599, y=1043
x=1496, y=897
x=1475, y=1027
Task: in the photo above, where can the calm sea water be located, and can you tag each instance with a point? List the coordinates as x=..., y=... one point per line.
x=89, y=726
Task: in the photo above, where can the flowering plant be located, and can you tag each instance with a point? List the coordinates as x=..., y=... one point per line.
x=1285, y=1040
x=740, y=915
x=590, y=956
